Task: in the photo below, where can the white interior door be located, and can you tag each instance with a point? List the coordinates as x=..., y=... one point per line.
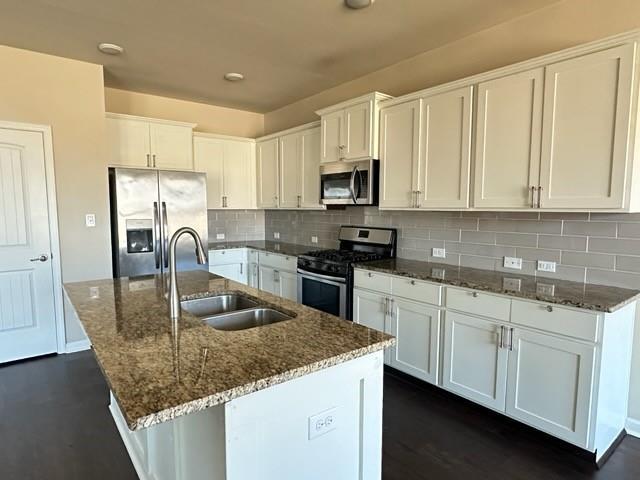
x=27, y=307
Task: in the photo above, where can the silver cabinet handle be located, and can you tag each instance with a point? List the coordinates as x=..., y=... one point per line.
x=241, y=268
x=549, y=308
x=385, y=305
x=42, y=258
x=533, y=196
x=148, y=160
x=156, y=234
x=418, y=192
x=299, y=201
x=539, y=196
x=154, y=160
x=474, y=294
x=412, y=282
x=511, y=339
x=391, y=308
x=276, y=276
x=369, y=275
x=501, y=340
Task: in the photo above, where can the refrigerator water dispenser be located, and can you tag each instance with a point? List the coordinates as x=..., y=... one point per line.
x=139, y=236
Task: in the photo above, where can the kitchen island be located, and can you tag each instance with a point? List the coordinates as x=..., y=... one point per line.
x=300, y=398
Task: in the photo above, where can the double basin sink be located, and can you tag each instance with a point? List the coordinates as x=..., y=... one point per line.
x=232, y=312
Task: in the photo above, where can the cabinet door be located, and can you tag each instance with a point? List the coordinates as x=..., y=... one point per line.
x=171, y=146
x=399, y=154
x=208, y=157
x=267, y=159
x=128, y=142
x=357, y=131
x=267, y=280
x=310, y=169
x=331, y=126
x=233, y=271
x=550, y=384
x=445, y=155
x=474, y=365
x=288, y=285
x=586, y=130
x=290, y=175
x=253, y=275
x=370, y=310
x=239, y=174
x=508, y=140
x=417, y=330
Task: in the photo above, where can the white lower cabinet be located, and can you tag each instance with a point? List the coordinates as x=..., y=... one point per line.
x=549, y=384
x=278, y=282
x=233, y=271
x=267, y=279
x=474, y=365
x=417, y=330
x=230, y=263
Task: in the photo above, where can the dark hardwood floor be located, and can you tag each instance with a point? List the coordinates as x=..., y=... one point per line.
x=54, y=424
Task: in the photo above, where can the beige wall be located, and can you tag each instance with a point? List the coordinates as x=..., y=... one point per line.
x=558, y=26
x=68, y=96
x=210, y=118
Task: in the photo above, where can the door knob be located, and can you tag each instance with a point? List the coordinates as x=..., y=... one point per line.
x=42, y=258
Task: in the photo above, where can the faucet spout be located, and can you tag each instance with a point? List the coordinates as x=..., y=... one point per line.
x=201, y=256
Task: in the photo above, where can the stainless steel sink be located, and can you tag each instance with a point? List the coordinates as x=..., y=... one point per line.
x=208, y=306
x=241, y=320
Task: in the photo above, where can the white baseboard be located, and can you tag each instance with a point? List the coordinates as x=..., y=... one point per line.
x=78, y=346
x=633, y=427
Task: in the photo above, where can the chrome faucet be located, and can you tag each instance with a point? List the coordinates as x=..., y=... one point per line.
x=174, y=294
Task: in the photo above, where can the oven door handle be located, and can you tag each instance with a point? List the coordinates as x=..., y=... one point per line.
x=352, y=185
x=317, y=276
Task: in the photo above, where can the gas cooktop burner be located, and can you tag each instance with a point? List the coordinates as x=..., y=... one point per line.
x=343, y=256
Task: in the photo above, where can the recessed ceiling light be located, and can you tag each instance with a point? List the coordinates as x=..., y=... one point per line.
x=233, y=76
x=357, y=4
x=110, y=48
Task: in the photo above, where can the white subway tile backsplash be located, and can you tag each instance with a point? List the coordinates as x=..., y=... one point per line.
x=517, y=239
x=595, y=229
x=592, y=260
x=563, y=242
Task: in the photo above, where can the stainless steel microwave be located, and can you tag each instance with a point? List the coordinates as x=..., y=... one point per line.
x=349, y=183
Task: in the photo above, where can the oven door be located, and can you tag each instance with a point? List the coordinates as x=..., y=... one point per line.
x=323, y=292
x=348, y=183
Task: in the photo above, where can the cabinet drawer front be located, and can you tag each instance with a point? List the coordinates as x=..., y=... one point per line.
x=225, y=257
x=417, y=290
x=372, y=281
x=279, y=262
x=479, y=303
x=551, y=318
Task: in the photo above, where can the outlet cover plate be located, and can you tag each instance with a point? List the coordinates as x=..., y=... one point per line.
x=90, y=220
x=545, y=266
x=514, y=263
x=438, y=253
x=219, y=236
x=314, y=239
x=511, y=284
x=323, y=422
x=276, y=235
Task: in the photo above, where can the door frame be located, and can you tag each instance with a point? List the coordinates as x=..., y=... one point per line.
x=52, y=208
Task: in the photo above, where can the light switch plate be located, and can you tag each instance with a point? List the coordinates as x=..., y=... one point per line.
x=513, y=262
x=90, y=220
x=314, y=239
x=545, y=266
x=323, y=422
x=276, y=235
x=438, y=253
x=219, y=236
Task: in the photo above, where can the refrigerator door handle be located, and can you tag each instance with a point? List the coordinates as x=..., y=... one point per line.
x=156, y=234
x=165, y=236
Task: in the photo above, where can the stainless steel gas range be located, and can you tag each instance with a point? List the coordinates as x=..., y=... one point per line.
x=325, y=277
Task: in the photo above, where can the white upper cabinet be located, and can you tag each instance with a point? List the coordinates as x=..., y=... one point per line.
x=445, y=154
x=349, y=130
x=585, y=145
x=399, y=154
x=147, y=142
x=289, y=169
x=267, y=160
x=508, y=140
x=425, y=152
x=229, y=163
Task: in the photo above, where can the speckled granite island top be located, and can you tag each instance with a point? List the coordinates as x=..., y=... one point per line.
x=156, y=375
x=282, y=248
x=581, y=295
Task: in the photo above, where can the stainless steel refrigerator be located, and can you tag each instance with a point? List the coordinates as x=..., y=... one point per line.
x=147, y=207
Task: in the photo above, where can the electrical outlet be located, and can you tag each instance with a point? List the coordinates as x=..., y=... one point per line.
x=438, y=273
x=544, y=266
x=314, y=239
x=90, y=220
x=545, y=289
x=276, y=235
x=438, y=252
x=511, y=284
x=513, y=262
x=219, y=236
x=323, y=422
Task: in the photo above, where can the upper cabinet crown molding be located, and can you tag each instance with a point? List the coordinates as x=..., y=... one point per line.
x=219, y=136
x=150, y=119
x=373, y=96
x=298, y=128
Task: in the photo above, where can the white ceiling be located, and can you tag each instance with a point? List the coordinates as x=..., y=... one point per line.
x=287, y=49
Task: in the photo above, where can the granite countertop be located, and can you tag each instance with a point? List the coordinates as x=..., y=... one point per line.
x=283, y=248
x=599, y=298
x=157, y=374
